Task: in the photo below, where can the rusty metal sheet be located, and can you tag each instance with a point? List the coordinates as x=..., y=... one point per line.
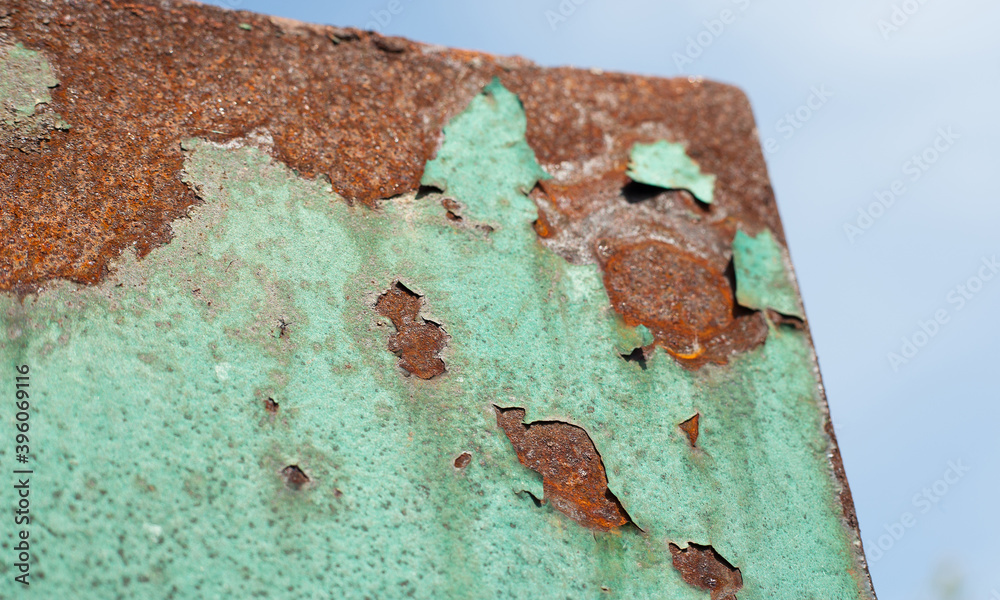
x=313, y=312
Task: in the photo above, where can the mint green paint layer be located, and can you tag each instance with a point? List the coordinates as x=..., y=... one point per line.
x=667, y=165
x=763, y=275
x=25, y=79
x=157, y=467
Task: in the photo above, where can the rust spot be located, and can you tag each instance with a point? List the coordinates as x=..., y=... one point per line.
x=701, y=566
x=573, y=476
x=690, y=427
x=541, y=225
x=452, y=209
x=271, y=406
x=463, y=460
x=685, y=301
x=294, y=477
x=417, y=341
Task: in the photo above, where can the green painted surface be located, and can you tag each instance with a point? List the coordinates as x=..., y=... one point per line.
x=157, y=467
x=763, y=278
x=667, y=165
x=25, y=79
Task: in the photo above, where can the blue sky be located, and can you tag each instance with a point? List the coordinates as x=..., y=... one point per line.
x=924, y=84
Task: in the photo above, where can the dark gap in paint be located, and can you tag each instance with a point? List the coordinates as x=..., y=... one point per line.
x=271, y=406
x=635, y=192
x=426, y=190
x=638, y=356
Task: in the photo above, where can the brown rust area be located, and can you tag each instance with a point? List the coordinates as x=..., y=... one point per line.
x=463, y=460
x=701, y=566
x=417, y=341
x=690, y=429
x=686, y=303
x=573, y=476
x=294, y=477
x=137, y=78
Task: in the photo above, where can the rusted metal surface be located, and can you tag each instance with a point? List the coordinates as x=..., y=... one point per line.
x=417, y=341
x=367, y=112
x=572, y=473
x=702, y=566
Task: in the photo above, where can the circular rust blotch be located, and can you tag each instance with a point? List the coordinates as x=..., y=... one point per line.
x=686, y=303
x=680, y=298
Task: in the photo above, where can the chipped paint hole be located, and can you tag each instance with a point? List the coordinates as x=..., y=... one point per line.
x=574, y=481
x=535, y=499
x=635, y=192
x=294, y=477
x=283, y=326
x=638, y=356
x=452, y=209
x=418, y=342
x=690, y=428
x=271, y=406
x=703, y=567
x=463, y=460
x=427, y=190
x=783, y=320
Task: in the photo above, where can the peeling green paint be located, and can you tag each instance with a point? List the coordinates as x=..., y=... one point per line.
x=763, y=277
x=667, y=165
x=25, y=79
x=158, y=468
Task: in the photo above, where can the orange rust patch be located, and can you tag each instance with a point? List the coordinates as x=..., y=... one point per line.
x=573, y=476
x=702, y=566
x=690, y=427
x=417, y=341
x=686, y=303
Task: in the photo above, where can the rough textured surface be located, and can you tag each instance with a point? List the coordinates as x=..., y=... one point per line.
x=417, y=341
x=224, y=406
x=135, y=78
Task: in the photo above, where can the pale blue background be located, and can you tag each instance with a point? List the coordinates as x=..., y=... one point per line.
x=898, y=429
